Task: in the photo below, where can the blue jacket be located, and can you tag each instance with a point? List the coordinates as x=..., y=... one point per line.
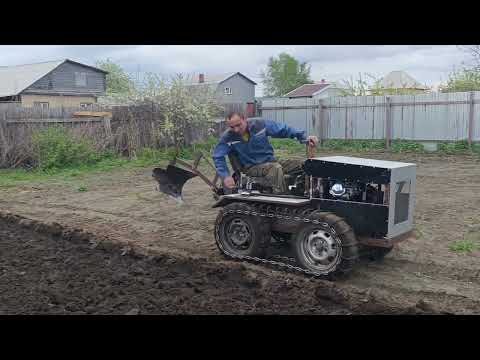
x=257, y=150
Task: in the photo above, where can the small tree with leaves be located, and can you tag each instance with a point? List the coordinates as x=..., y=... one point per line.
x=284, y=74
x=462, y=80
x=118, y=81
x=180, y=107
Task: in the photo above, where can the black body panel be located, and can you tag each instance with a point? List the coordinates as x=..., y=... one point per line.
x=366, y=219
x=346, y=172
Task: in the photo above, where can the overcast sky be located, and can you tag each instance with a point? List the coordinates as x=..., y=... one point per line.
x=429, y=64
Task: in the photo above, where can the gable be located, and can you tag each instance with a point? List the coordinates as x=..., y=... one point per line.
x=239, y=76
x=71, y=77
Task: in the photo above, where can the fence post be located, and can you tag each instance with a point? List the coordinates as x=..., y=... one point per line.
x=3, y=140
x=320, y=122
x=470, y=118
x=107, y=125
x=388, y=120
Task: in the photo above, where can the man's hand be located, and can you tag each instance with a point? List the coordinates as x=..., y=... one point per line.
x=312, y=140
x=229, y=182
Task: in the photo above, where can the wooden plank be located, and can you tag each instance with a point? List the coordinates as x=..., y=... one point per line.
x=61, y=120
x=92, y=113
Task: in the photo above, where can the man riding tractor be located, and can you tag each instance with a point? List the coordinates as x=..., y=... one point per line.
x=248, y=141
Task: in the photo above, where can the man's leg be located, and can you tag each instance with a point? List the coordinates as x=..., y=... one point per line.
x=272, y=174
x=291, y=166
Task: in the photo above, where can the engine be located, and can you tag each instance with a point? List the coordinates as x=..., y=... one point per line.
x=350, y=191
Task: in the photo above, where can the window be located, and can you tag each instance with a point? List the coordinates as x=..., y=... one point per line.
x=228, y=91
x=402, y=199
x=40, y=105
x=86, y=105
x=81, y=79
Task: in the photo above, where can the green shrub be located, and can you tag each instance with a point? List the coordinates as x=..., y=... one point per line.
x=354, y=145
x=457, y=147
x=406, y=146
x=56, y=148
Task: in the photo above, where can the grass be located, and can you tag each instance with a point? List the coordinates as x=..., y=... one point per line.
x=470, y=242
x=106, y=162
x=466, y=246
x=60, y=163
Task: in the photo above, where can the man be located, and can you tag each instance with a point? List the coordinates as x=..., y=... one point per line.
x=249, y=141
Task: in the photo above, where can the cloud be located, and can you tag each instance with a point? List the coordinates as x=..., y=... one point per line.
x=427, y=63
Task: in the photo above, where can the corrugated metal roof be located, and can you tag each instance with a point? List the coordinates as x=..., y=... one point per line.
x=307, y=90
x=15, y=79
x=213, y=78
x=400, y=80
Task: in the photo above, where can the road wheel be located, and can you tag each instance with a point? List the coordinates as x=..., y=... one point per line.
x=238, y=234
x=327, y=248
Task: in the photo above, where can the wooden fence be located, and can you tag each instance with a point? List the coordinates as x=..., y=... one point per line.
x=129, y=129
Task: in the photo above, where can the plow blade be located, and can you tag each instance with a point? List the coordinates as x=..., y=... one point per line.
x=172, y=180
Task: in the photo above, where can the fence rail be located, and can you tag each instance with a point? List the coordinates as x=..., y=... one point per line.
x=424, y=117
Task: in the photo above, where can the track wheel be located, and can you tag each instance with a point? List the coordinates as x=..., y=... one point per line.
x=328, y=248
x=238, y=234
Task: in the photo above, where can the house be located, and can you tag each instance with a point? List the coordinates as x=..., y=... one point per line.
x=52, y=84
x=319, y=90
x=233, y=90
x=399, y=81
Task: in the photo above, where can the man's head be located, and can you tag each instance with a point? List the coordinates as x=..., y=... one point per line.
x=237, y=122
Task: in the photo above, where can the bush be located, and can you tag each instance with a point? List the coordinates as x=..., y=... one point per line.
x=406, y=146
x=56, y=148
x=354, y=145
x=454, y=147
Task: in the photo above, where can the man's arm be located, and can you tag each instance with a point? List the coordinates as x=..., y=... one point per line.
x=277, y=130
x=219, y=153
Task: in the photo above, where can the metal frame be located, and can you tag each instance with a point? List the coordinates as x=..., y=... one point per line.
x=407, y=173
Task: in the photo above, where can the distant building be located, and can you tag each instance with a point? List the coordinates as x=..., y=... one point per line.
x=399, y=81
x=319, y=90
x=52, y=84
x=234, y=90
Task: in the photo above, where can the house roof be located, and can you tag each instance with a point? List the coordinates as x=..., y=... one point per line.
x=308, y=90
x=399, y=80
x=15, y=79
x=210, y=79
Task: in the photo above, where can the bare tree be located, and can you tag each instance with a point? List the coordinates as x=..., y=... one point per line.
x=474, y=52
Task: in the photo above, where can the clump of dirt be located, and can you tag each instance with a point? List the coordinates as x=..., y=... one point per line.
x=48, y=269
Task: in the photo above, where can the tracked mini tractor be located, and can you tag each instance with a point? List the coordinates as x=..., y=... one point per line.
x=338, y=209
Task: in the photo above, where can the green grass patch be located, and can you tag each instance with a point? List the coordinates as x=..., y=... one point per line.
x=458, y=147
x=61, y=157
x=66, y=167
x=82, y=188
x=465, y=246
x=470, y=242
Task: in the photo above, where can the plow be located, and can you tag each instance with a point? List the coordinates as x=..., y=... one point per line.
x=337, y=210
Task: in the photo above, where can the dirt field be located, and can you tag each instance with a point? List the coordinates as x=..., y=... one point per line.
x=124, y=208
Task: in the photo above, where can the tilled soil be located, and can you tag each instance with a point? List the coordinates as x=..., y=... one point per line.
x=47, y=269
x=124, y=207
